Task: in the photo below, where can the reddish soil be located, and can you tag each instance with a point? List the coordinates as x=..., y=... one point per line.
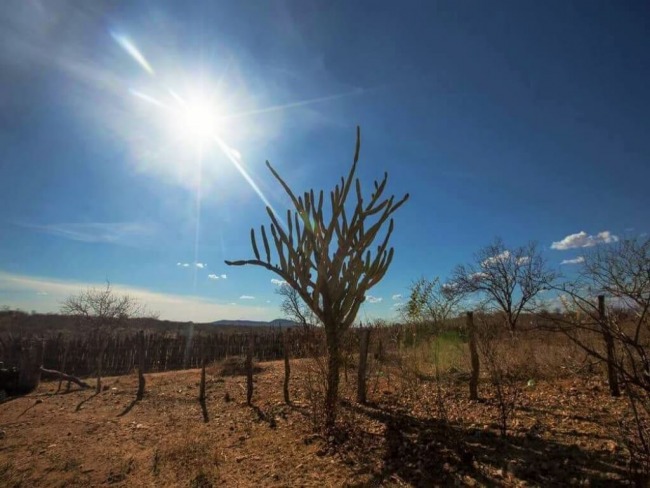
x=563, y=433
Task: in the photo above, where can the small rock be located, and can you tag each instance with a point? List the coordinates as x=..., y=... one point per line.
x=3, y=434
x=38, y=400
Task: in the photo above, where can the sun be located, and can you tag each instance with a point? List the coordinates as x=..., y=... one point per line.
x=196, y=122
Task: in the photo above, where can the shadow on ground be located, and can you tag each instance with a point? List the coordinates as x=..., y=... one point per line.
x=433, y=452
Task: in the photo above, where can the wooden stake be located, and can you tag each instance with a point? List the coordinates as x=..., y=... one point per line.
x=473, y=352
x=363, y=365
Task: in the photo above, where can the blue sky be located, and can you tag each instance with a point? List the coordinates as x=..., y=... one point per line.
x=524, y=120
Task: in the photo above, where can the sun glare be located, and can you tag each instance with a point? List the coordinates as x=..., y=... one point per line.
x=197, y=123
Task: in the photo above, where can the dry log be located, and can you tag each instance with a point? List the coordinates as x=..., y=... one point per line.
x=62, y=376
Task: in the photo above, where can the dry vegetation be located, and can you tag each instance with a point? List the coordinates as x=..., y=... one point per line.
x=418, y=427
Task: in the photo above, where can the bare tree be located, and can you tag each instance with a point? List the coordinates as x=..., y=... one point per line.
x=101, y=310
x=294, y=308
x=327, y=257
x=620, y=274
x=431, y=301
x=509, y=281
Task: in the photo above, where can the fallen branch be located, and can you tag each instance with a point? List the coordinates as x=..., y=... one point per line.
x=62, y=376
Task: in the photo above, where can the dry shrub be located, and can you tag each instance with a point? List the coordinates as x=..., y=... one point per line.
x=311, y=379
x=497, y=350
x=236, y=366
x=634, y=433
x=543, y=354
x=425, y=370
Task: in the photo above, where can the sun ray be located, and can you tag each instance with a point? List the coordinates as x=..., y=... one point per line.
x=147, y=98
x=301, y=103
x=229, y=153
x=197, y=228
x=177, y=97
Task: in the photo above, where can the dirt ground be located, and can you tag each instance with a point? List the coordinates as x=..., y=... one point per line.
x=562, y=433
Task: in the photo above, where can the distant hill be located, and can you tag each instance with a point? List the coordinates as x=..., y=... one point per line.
x=18, y=322
x=255, y=323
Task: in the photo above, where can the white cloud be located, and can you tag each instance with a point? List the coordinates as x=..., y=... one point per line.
x=246, y=297
x=451, y=286
x=200, y=265
x=477, y=276
x=396, y=305
x=504, y=256
x=46, y=295
x=582, y=239
x=186, y=265
x=372, y=299
x=213, y=276
x=523, y=260
x=277, y=282
x=397, y=296
x=577, y=260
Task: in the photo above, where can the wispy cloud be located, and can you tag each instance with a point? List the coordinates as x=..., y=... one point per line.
x=183, y=265
x=577, y=260
x=373, y=299
x=200, y=265
x=397, y=296
x=246, y=297
x=277, y=282
x=582, y=239
x=47, y=294
x=122, y=233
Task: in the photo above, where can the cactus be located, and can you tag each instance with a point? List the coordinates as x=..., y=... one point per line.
x=332, y=280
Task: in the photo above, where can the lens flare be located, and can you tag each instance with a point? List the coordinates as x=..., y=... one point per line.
x=126, y=44
x=197, y=116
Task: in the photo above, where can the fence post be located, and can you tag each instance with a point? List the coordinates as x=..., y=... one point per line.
x=249, y=369
x=363, y=364
x=287, y=366
x=62, y=365
x=100, y=360
x=141, y=380
x=473, y=353
x=609, y=343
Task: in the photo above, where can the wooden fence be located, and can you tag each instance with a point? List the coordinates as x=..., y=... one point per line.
x=77, y=355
